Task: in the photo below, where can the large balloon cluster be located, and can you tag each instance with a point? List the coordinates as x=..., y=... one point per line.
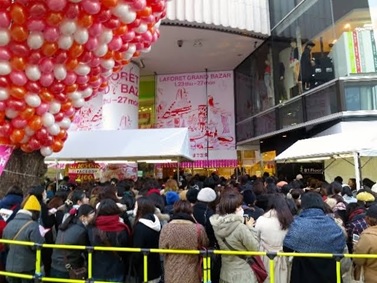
x=55, y=54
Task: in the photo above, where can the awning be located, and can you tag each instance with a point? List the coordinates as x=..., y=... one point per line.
x=144, y=145
x=332, y=146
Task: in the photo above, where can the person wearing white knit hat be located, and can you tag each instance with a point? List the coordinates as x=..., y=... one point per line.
x=206, y=195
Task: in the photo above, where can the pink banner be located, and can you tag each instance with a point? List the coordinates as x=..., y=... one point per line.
x=5, y=153
x=203, y=164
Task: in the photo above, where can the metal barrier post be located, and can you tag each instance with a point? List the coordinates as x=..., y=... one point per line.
x=90, y=263
x=38, y=262
x=271, y=257
x=204, y=267
x=209, y=267
x=145, y=257
x=338, y=258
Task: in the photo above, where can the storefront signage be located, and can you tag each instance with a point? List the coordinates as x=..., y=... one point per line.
x=83, y=172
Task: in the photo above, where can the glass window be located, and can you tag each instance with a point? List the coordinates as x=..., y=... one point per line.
x=322, y=103
x=321, y=40
x=265, y=123
x=245, y=130
x=360, y=96
x=291, y=114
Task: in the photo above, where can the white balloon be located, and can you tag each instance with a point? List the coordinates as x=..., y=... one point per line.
x=146, y=50
x=35, y=40
x=65, y=42
x=82, y=69
x=101, y=50
x=142, y=28
x=32, y=72
x=78, y=103
x=81, y=35
x=54, y=107
x=33, y=100
x=10, y=113
x=131, y=49
x=157, y=25
x=120, y=9
x=48, y=119
x=65, y=123
x=74, y=95
x=68, y=27
x=108, y=64
x=107, y=73
x=25, y=139
x=54, y=129
x=4, y=94
x=87, y=92
x=29, y=131
x=5, y=68
x=128, y=17
x=4, y=37
x=106, y=36
x=46, y=150
x=60, y=72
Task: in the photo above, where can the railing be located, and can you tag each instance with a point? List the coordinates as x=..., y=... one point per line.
x=206, y=254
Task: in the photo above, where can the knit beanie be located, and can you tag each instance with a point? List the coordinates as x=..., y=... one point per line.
x=249, y=197
x=171, y=197
x=311, y=200
x=192, y=195
x=365, y=197
x=206, y=195
x=32, y=204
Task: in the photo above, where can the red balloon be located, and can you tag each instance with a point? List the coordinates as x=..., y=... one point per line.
x=57, y=88
x=37, y=10
x=33, y=87
x=5, y=4
x=61, y=97
x=19, y=123
x=34, y=144
x=59, y=117
x=4, y=81
x=72, y=11
x=5, y=129
x=19, y=49
x=16, y=104
x=41, y=134
x=34, y=58
x=103, y=16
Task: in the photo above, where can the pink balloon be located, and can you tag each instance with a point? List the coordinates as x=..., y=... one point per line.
x=72, y=11
x=95, y=29
x=70, y=79
x=37, y=10
x=51, y=34
x=149, y=20
x=4, y=54
x=147, y=36
x=46, y=65
x=95, y=62
x=86, y=57
x=18, y=78
x=60, y=57
x=46, y=80
x=91, y=44
x=96, y=83
x=92, y=7
x=139, y=4
x=128, y=36
x=36, y=25
x=69, y=112
x=115, y=44
x=42, y=109
x=124, y=47
x=82, y=79
x=3, y=106
x=95, y=71
x=4, y=20
x=19, y=49
x=56, y=5
x=19, y=123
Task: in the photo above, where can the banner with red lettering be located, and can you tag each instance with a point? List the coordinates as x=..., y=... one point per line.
x=89, y=117
x=204, y=103
x=83, y=171
x=121, y=100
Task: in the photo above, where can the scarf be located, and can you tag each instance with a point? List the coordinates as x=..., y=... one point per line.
x=314, y=232
x=360, y=212
x=110, y=223
x=183, y=216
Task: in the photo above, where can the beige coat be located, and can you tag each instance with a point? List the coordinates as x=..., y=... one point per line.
x=233, y=268
x=367, y=245
x=182, y=235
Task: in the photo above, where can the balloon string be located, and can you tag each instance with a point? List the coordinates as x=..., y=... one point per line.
x=21, y=174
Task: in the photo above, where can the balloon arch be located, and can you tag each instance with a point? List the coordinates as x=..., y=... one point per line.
x=56, y=54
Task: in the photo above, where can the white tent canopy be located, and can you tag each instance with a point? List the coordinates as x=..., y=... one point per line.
x=332, y=146
x=125, y=145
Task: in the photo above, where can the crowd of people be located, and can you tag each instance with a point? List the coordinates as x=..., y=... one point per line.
x=197, y=212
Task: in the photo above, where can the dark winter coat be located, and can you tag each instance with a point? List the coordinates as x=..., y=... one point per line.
x=13, y=202
x=75, y=234
x=22, y=258
x=109, y=266
x=202, y=213
x=146, y=235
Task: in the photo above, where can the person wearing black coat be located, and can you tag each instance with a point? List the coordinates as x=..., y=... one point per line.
x=109, y=231
x=12, y=200
x=146, y=235
x=72, y=232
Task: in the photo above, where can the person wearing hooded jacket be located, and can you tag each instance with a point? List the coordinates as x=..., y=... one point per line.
x=146, y=234
x=232, y=234
x=24, y=227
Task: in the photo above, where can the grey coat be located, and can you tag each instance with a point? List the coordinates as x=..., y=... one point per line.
x=22, y=258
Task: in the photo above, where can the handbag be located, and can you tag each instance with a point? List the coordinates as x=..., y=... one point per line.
x=360, y=275
x=77, y=273
x=255, y=262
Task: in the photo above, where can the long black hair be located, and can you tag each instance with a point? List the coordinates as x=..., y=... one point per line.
x=279, y=204
x=74, y=214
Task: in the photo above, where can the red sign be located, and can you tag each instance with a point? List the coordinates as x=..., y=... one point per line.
x=83, y=172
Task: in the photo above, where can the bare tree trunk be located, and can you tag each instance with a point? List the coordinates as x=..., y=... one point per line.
x=23, y=169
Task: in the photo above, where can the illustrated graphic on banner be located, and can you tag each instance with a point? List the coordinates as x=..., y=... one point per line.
x=121, y=100
x=84, y=171
x=89, y=117
x=204, y=103
x=120, y=171
x=5, y=153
